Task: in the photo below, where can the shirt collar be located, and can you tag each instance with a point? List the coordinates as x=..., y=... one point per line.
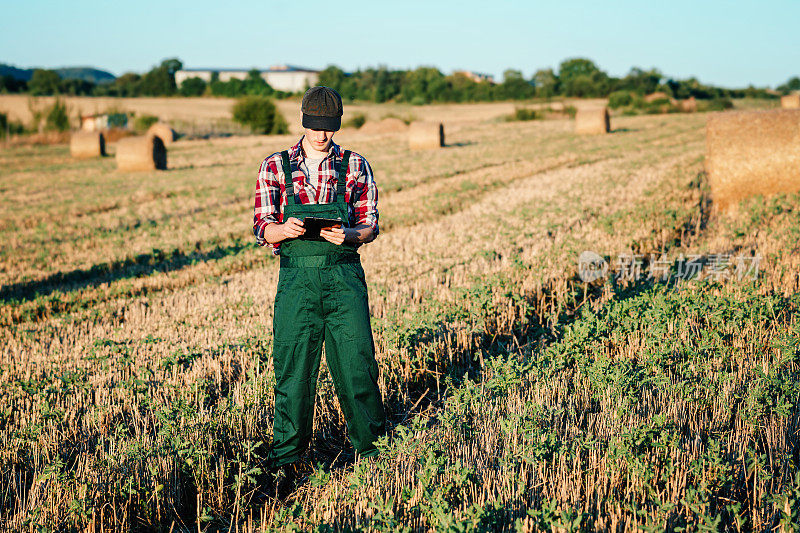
x=296, y=151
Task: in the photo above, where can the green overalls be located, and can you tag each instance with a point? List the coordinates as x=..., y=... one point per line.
x=322, y=295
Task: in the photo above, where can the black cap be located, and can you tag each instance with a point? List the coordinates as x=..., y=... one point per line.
x=322, y=109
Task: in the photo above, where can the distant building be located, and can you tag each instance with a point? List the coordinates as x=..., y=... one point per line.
x=477, y=77
x=285, y=78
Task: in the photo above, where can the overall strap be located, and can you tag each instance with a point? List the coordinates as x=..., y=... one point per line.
x=287, y=178
x=341, y=174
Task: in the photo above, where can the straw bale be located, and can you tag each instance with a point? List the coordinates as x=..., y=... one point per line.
x=163, y=131
x=790, y=101
x=652, y=97
x=87, y=144
x=425, y=135
x=689, y=105
x=141, y=153
x=752, y=152
x=387, y=125
x=592, y=121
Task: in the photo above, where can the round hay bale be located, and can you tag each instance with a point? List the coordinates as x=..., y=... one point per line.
x=141, y=154
x=752, y=152
x=87, y=144
x=592, y=121
x=387, y=125
x=425, y=135
x=791, y=101
x=689, y=105
x=163, y=131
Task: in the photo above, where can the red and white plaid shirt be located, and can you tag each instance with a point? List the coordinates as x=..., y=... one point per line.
x=361, y=193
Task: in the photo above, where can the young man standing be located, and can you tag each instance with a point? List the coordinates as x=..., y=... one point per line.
x=322, y=294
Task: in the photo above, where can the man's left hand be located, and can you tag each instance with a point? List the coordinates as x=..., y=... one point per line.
x=333, y=235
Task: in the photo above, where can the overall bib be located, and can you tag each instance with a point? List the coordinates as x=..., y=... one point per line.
x=322, y=296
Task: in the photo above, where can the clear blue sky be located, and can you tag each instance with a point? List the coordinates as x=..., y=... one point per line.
x=730, y=43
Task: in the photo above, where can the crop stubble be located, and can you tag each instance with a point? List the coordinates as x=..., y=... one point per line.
x=155, y=372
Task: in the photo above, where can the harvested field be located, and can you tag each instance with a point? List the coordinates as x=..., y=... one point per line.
x=135, y=370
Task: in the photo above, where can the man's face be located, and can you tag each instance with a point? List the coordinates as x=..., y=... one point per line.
x=320, y=140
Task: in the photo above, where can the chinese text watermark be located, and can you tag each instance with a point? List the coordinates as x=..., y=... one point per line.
x=636, y=267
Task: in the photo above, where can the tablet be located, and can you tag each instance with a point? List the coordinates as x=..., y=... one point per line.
x=313, y=226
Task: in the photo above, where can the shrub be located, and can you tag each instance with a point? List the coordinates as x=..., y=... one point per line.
x=662, y=105
x=570, y=110
x=9, y=127
x=619, y=99
x=523, y=113
x=193, y=87
x=408, y=118
x=57, y=118
x=717, y=104
x=143, y=122
x=357, y=121
x=260, y=114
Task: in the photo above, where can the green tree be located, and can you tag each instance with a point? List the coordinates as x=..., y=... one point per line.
x=157, y=82
x=463, y=89
x=572, y=68
x=9, y=84
x=335, y=78
x=172, y=65
x=193, y=87
x=792, y=84
x=581, y=77
x=128, y=84
x=44, y=82
x=76, y=87
x=546, y=83
x=424, y=85
x=514, y=86
x=254, y=84
x=160, y=81
x=641, y=81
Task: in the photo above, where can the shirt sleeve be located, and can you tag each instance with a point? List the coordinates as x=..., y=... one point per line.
x=267, y=201
x=365, y=196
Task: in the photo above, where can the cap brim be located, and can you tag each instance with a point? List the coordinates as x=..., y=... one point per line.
x=315, y=122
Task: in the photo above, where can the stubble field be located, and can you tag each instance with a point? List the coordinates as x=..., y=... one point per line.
x=136, y=312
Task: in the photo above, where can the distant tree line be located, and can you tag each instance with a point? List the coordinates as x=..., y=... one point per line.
x=576, y=77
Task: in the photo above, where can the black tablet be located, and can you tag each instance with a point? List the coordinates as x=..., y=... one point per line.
x=313, y=226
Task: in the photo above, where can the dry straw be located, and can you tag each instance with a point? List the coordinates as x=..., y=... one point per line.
x=141, y=153
x=163, y=131
x=387, y=125
x=752, y=152
x=689, y=105
x=791, y=101
x=87, y=144
x=425, y=135
x=592, y=121
x=656, y=96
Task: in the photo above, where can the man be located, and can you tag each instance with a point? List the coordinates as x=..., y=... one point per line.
x=322, y=294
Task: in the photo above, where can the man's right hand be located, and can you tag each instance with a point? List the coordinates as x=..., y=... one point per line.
x=293, y=228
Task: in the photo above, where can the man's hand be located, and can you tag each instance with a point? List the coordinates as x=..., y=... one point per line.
x=333, y=235
x=293, y=228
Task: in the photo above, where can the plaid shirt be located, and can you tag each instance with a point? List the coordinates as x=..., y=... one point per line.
x=361, y=193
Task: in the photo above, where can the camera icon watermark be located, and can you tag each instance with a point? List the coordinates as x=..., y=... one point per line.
x=591, y=266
